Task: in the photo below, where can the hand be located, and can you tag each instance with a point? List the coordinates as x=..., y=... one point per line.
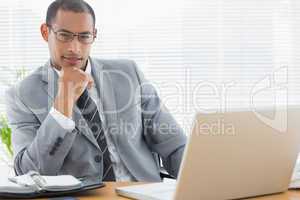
x=71, y=84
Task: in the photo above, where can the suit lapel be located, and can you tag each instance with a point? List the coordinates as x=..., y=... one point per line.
x=50, y=78
x=112, y=127
x=107, y=103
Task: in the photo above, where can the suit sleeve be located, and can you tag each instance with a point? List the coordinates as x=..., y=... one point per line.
x=39, y=146
x=162, y=133
x=63, y=121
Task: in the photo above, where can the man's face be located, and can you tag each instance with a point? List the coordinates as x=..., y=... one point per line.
x=72, y=53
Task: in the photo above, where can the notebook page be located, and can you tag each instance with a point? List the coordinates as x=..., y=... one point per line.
x=61, y=182
x=10, y=187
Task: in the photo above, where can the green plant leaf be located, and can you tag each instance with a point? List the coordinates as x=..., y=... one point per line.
x=5, y=132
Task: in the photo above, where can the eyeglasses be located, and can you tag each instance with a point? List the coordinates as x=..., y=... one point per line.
x=66, y=36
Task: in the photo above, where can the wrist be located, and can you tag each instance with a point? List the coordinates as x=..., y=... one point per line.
x=64, y=105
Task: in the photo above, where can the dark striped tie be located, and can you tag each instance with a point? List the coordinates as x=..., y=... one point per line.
x=90, y=113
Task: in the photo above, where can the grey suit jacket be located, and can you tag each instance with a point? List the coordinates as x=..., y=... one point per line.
x=132, y=115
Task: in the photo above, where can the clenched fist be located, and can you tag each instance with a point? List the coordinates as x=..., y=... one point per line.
x=71, y=84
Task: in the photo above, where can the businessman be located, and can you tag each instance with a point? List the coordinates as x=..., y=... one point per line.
x=88, y=117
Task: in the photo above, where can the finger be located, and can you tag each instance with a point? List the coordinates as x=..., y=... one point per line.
x=82, y=76
x=90, y=81
x=90, y=84
x=79, y=70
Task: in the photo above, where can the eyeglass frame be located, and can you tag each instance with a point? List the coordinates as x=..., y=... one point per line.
x=94, y=34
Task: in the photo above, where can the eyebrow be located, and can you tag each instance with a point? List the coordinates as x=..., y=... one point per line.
x=64, y=30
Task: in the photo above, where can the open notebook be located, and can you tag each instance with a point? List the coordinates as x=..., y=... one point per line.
x=34, y=185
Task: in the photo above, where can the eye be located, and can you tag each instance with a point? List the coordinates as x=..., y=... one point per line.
x=85, y=36
x=64, y=35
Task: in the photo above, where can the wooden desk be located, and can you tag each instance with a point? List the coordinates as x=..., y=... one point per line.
x=108, y=193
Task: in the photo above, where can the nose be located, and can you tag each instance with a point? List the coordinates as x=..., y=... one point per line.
x=74, y=46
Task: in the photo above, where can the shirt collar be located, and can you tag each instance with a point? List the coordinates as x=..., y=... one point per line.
x=88, y=68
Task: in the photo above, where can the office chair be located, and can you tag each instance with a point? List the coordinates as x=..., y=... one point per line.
x=163, y=173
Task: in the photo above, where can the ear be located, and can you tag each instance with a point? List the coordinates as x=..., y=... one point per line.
x=45, y=31
x=95, y=33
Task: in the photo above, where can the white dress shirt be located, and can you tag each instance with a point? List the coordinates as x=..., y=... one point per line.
x=121, y=172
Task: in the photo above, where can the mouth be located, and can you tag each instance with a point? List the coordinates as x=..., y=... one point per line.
x=72, y=60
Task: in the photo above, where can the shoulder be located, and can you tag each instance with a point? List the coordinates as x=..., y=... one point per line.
x=29, y=85
x=116, y=65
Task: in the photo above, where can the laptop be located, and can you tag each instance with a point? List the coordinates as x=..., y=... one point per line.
x=232, y=155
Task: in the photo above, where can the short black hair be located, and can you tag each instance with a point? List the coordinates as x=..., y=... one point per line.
x=77, y=6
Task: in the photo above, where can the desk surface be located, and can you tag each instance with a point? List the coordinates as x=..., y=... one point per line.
x=108, y=193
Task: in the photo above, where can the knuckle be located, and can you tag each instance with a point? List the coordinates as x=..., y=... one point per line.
x=86, y=77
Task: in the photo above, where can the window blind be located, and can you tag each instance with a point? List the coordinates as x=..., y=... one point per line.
x=200, y=55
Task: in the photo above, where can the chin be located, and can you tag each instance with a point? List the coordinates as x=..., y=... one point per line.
x=79, y=65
